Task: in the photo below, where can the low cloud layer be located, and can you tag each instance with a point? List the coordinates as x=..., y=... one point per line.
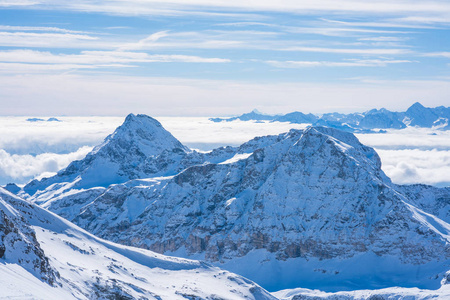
x=33, y=149
x=202, y=134
x=19, y=136
x=417, y=166
x=21, y=168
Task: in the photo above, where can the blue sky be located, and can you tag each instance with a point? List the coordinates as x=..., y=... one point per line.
x=224, y=57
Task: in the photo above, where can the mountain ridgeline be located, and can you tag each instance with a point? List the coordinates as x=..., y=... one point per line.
x=307, y=208
x=416, y=115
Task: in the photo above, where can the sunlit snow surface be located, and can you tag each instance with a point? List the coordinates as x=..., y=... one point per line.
x=87, y=264
x=30, y=149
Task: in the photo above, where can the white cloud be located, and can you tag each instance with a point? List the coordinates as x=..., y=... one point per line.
x=314, y=28
x=380, y=51
x=200, y=133
x=409, y=138
x=12, y=3
x=45, y=40
x=97, y=57
x=18, y=136
x=21, y=168
x=435, y=9
x=384, y=39
x=23, y=61
x=347, y=63
x=209, y=39
x=413, y=155
x=438, y=54
x=408, y=156
x=381, y=23
x=39, y=28
x=417, y=166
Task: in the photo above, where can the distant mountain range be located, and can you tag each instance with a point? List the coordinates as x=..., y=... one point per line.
x=308, y=208
x=416, y=115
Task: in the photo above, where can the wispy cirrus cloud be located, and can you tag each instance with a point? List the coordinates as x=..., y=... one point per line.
x=346, y=63
x=45, y=39
x=207, y=39
x=134, y=7
x=362, y=51
x=37, y=61
x=99, y=57
x=385, y=39
x=438, y=54
x=380, y=23
x=40, y=28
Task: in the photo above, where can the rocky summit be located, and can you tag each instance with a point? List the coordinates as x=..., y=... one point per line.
x=307, y=208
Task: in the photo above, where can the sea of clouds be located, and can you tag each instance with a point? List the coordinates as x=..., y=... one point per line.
x=35, y=149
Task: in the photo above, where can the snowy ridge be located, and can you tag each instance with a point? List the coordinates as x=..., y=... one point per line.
x=313, y=200
x=70, y=263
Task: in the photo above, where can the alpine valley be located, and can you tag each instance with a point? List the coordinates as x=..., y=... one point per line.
x=304, y=210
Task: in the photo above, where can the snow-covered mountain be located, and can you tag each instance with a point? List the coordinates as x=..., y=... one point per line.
x=381, y=118
x=128, y=153
x=43, y=256
x=139, y=148
x=307, y=208
x=416, y=115
x=254, y=115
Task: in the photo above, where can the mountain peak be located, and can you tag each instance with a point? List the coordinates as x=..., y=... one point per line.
x=144, y=133
x=421, y=116
x=141, y=119
x=417, y=105
x=125, y=154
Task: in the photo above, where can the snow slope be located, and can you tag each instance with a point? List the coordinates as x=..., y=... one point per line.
x=43, y=256
x=307, y=208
